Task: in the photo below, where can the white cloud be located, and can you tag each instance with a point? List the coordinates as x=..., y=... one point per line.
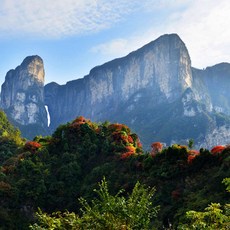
x=114, y=48
x=202, y=24
x=121, y=47
x=164, y=4
x=48, y=18
x=204, y=27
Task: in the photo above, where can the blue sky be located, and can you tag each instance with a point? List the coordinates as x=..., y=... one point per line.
x=73, y=36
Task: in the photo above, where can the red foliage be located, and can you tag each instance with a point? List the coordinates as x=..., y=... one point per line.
x=126, y=155
x=139, y=145
x=217, y=149
x=79, y=121
x=192, y=154
x=119, y=137
x=98, y=130
x=130, y=139
x=119, y=127
x=115, y=126
x=156, y=148
x=130, y=149
x=32, y=146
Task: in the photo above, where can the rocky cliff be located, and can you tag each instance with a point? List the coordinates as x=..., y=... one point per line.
x=161, y=71
x=22, y=95
x=154, y=90
x=216, y=80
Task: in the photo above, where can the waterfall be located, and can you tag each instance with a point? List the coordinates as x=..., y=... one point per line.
x=48, y=115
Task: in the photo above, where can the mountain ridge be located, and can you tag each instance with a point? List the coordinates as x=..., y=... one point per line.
x=143, y=87
x=115, y=64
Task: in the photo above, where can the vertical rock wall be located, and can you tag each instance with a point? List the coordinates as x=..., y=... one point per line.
x=22, y=94
x=160, y=70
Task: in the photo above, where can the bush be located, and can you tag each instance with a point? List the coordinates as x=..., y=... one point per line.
x=106, y=212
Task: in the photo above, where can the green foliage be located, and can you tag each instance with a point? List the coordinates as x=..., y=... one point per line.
x=226, y=181
x=117, y=212
x=213, y=218
x=8, y=131
x=53, y=172
x=106, y=212
x=10, y=138
x=56, y=220
x=190, y=143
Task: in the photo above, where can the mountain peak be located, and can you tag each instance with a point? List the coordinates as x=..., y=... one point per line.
x=32, y=58
x=22, y=94
x=33, y=67
x=167, y=39
x=170, y=36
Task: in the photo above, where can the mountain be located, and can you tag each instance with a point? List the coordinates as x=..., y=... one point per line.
x=22, y=96
x=159, y=71
x=153, y=90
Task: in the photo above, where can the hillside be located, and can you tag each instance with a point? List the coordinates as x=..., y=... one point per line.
x=52, y=172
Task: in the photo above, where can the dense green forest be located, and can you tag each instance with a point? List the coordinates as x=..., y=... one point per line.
x=97, y=176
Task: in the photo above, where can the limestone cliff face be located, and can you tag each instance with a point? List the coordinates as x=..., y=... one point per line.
x=162, y=66
x=161, y=71
x=217, y=81
x=153, y=90
x=22, y=94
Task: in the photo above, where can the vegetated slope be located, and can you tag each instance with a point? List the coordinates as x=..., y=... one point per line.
x=10, y=138
x=52, y=172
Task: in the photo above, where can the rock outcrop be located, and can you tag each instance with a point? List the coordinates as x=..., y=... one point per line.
x=22, y=94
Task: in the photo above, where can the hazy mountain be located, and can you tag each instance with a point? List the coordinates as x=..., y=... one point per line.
x=154, y=90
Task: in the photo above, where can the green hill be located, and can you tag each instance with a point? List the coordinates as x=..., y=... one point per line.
x=53, y=172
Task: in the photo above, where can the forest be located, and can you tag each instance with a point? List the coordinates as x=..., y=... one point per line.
x=90, y=175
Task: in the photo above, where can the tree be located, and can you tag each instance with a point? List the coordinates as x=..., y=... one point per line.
x=217, y=149
x=190, y=143
x=106, y=211
x=214, y=216
x=32, y=146
x=192, y=154
x=156, y=148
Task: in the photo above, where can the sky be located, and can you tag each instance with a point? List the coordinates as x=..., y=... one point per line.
x=73, y=36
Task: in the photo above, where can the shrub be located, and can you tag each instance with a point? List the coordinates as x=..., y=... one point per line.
x=106, y=212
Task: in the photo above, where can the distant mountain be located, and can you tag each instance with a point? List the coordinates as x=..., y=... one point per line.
x=153, y=90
